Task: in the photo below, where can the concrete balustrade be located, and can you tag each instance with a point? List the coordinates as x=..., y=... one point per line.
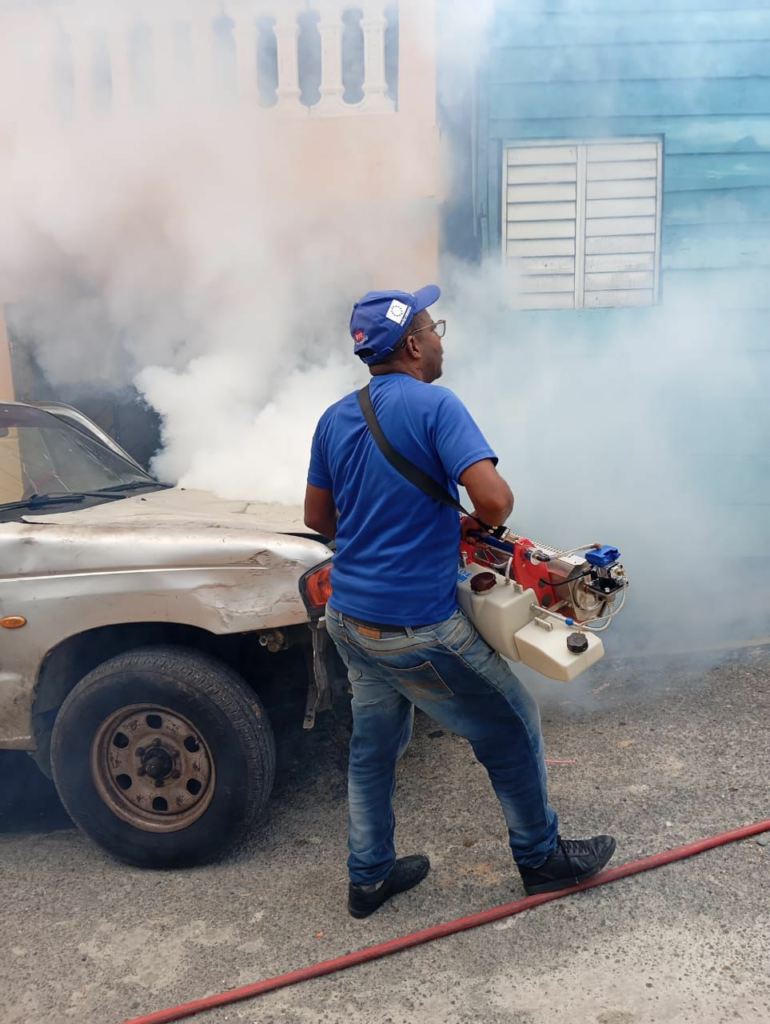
x=148, y=75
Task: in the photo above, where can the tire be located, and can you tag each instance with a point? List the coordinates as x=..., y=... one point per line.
x=163, y=725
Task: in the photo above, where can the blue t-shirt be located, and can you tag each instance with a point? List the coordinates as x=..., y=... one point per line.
x=397, y=549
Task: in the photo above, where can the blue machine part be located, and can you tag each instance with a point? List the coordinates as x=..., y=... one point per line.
x=602, y=557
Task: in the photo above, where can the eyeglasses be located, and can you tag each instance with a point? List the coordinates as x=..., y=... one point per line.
x=438, y=328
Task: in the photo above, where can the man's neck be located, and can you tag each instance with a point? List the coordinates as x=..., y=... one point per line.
x=408, y=371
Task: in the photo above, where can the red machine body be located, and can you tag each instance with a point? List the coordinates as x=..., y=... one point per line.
x=563, y=582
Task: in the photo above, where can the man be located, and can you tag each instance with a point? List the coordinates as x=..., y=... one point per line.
x=393, y=614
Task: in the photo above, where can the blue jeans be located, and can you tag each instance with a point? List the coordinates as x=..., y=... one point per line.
x=453, y=675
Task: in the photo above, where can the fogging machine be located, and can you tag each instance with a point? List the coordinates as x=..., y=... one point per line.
x=541, y=606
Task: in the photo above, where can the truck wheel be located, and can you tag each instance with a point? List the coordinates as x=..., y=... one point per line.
x=164, y=756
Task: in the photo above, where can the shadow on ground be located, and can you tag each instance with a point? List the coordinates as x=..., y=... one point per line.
x=28, y=800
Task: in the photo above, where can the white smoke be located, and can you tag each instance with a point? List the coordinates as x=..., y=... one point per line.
x=179, y=253
x=631, y=440
x=174, y=252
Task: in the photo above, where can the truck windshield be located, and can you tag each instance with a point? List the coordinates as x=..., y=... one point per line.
x=41, y=455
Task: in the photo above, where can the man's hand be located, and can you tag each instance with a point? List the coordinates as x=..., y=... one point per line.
x=469, y=525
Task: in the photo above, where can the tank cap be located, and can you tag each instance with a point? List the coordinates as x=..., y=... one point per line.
x=482, y=582
x=577, y=643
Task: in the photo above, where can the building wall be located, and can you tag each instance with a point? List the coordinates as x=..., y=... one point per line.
x=694, y=73
x=691, y=71
x=6, y=377
x=321, y=155
x=341, y=162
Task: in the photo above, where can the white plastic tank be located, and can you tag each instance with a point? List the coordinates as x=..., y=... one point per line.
x=505, y=616
x=542, y=646
x=496, y=613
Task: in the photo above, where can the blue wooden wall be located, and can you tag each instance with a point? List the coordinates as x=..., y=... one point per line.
x=695, y=73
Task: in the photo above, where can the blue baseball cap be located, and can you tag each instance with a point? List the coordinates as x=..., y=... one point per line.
x=380, y=319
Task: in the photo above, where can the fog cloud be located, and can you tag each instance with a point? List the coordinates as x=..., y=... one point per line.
x=176, y=253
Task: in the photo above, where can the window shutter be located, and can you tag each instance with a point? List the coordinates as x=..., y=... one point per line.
x=541, y=222
x=621, y=224
x=582, y=224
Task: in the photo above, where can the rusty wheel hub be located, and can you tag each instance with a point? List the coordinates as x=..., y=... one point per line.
x=152, y=768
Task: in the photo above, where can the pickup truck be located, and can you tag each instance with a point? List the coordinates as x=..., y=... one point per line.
x=138, y=626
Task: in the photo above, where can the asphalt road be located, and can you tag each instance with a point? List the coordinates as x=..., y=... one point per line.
x=664, y=753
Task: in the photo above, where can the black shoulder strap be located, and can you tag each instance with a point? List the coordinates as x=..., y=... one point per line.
x=419, y=478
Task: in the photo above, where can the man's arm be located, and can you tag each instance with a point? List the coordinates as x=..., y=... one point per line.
x=467, y=457
x=320, y=511
x=491, y=496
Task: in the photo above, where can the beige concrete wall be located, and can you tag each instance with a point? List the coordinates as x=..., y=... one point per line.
x=11, y=474
x=358, y=171
x=11, y=478
x=6, y=377
x=386, y=163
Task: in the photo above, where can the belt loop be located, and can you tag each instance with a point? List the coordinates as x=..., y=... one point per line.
x=409, y=631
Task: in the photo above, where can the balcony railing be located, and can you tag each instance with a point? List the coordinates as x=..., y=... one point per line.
x=313, y=58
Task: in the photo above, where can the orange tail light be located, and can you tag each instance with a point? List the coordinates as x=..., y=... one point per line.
x=316, y=588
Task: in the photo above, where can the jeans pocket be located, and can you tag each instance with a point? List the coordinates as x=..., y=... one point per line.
x=338, y=635
x=460, y=636
x=422, y=682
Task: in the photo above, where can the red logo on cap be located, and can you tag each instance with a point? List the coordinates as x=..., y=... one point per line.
x=359, y=336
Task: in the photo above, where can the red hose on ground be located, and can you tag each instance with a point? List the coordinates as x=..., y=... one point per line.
x=461, y=924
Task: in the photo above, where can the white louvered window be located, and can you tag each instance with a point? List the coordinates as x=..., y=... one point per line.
x=581, y=223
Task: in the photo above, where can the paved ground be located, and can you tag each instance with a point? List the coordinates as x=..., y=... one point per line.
x=665, y=753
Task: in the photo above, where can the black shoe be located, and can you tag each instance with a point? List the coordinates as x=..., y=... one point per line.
x=406, y=874
x=572, y=862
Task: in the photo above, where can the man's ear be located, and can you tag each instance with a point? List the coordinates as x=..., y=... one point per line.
x=412, y=346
